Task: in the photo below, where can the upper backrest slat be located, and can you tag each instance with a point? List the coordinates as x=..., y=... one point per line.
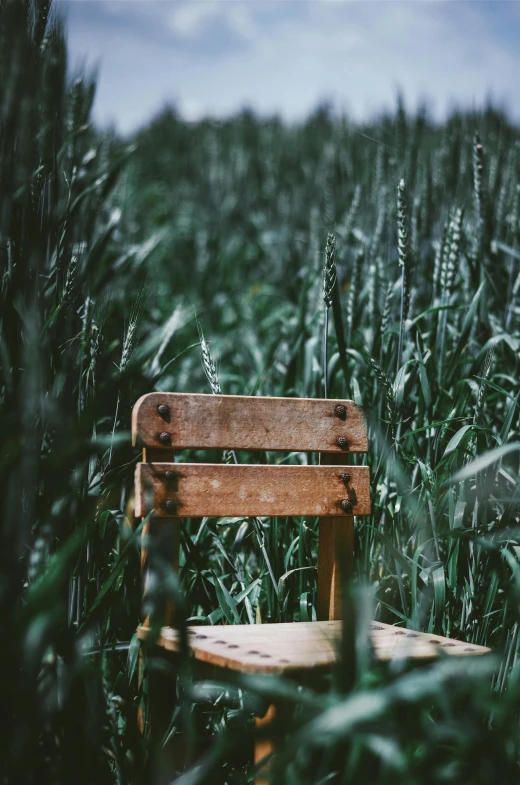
x=188, y=420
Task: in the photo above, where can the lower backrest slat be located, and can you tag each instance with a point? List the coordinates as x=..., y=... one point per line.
x=216, y=490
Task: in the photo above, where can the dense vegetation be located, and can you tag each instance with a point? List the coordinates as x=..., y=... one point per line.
x=121, y=262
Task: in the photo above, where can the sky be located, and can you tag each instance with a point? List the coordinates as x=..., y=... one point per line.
x=214, y=57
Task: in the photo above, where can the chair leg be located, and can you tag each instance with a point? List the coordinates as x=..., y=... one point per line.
x=264, y=746
x=270, y=731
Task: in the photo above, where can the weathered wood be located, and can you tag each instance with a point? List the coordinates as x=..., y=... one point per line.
x=197, y=489
x=248, y=423
x=277, y=648
x=335, y=556
x=335, y=564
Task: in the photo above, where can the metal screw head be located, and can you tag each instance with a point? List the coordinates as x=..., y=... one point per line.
x=169, y=476
x=341, y=411
x=346, y=505
x=343, y=442
x=170, y=505
x=164, y=437
x=163, y=410
x=345, y=477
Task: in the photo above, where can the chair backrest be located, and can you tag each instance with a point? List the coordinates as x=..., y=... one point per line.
x=165, y=422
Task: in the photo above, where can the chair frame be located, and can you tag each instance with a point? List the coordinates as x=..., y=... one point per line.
x=155, y=422
x=334, y=491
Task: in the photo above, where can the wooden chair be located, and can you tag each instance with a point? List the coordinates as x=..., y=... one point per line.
x=333, y=491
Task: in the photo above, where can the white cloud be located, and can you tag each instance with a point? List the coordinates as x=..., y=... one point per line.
x=241, y=20
x=190, y=19
x=187, y=19
x=214, y=56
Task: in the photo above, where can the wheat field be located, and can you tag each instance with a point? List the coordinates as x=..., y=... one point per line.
x=246, y=256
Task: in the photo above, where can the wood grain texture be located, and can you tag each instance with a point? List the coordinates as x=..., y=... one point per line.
x=277, y=648
x=335, y=556
x=247, y=423
x=198, y=489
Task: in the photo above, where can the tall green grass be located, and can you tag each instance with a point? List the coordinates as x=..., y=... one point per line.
x=67, y=337
x=378, y=262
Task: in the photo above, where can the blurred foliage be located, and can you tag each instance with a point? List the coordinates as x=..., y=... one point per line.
x=195, y=259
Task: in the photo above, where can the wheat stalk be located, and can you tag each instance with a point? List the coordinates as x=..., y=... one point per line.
x=404, y=263
x=329, y=284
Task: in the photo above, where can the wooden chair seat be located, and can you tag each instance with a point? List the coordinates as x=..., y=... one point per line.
x=278, y=648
